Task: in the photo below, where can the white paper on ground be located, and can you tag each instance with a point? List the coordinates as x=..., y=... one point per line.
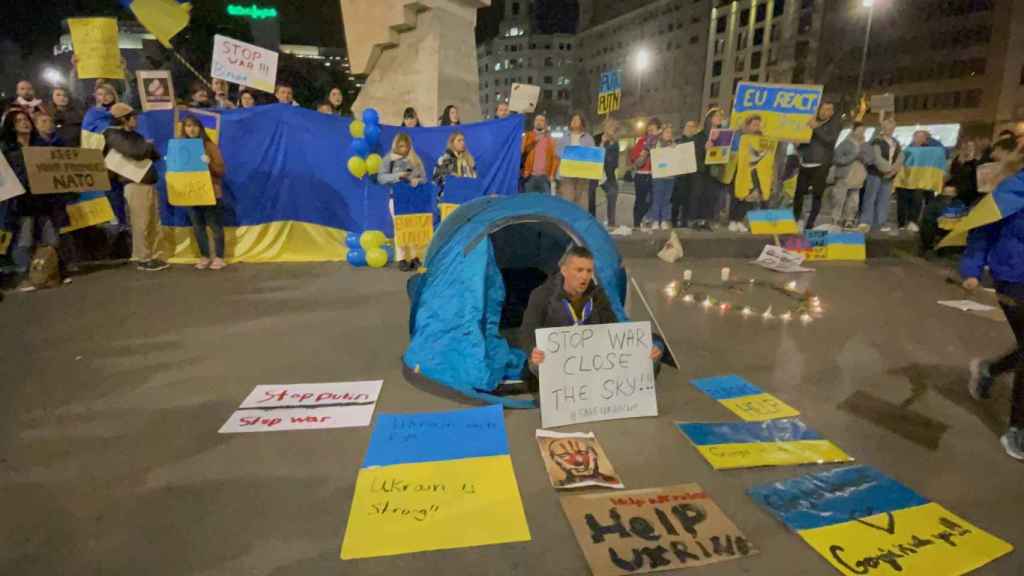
x=305, y=407
x=967, y=305
x=254, y=420
x=780, y=260
x=134, y=170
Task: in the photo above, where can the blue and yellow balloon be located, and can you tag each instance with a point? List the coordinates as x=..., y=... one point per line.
x=371, y=117
x=377, y=258
x=373, y=163
x=356, y=129
x=357, y=166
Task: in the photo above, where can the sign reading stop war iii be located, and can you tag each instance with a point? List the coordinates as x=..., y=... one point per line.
x=651, y=530
x=596, y=372
x=63, y=170
x=863, y=522
x=785, y=109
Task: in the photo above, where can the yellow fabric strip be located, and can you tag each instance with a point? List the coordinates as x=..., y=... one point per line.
x=287, y=241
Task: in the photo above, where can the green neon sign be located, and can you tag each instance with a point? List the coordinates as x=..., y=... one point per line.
x=254, y=12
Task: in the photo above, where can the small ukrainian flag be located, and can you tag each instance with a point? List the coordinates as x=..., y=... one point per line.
x=163, y=18
x=582, y=162
x=924, y=168
x=772, y=222
x=1005, y=200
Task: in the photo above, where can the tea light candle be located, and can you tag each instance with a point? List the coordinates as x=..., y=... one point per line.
x=725, y=274
x=687, y=275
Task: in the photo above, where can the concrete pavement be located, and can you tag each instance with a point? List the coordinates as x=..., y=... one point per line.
x=115, y=386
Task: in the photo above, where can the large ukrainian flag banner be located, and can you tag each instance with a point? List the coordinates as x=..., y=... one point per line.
x=924, y=168
x=582, y=162
x=1005, y=200
x=729, y=445
x=863, y=522
x=287, y=194
x=435, y=481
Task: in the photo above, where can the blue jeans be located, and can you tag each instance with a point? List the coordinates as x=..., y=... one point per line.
x=32, y=231
x=661, y=201
x=539, y=184
x=874, y=210
x=212, y=216
x=611, y=192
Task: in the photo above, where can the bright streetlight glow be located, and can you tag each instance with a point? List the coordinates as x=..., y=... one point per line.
x=643, y=58
x=867, y=3
x=639, y=124
x=53, y=76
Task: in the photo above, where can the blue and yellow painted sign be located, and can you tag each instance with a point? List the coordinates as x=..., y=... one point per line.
x=863, y=522
x=458, y=191
x=785, y=109
x=609, y=97
x=772, y=222
x=582, y=162
x=188, y=177
x=434, y=481
x=729, y=445
x=818, y=245
x=89, y=210
x=744, y=399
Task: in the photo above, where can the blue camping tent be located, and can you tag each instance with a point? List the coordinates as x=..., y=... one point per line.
x=482, y=263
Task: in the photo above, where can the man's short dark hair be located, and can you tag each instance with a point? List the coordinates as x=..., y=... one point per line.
x=283, y=85
x=655, y=121
x=578, y=252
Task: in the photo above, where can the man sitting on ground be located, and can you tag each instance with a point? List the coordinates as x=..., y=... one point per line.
x=569, y=297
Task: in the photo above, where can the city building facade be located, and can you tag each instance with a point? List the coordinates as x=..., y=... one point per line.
x=658, y=47
x=522, y=55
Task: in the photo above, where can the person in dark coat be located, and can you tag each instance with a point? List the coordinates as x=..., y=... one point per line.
x=67, y=116
x=815, y=160
x=707, y=189
x=569, y=297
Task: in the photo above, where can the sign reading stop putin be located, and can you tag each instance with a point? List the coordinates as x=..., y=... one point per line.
x=244, y=64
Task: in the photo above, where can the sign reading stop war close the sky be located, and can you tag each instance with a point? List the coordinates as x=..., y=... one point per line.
x=63, y=170
x=245, y=64
x=863, y=522
x=640, y=531
x=785, y=109
x=596, y=372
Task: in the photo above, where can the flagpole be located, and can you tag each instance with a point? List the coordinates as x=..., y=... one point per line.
x=191, y=69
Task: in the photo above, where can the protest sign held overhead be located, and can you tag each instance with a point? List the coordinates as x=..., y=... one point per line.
x=242, y=63
x=863, y=522
x=156, y=89
x=63, y=170
x=641, y=531
x=785, y=109
x=96, y=45
x=576, y=460
x=596, y=372
x=434, y=481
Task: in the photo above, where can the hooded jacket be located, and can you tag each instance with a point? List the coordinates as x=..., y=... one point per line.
x=999, y=245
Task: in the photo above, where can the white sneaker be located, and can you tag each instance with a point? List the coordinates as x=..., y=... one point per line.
x=732, y=227
x=886, y=230
x=913, y=228
x=666, y=226
x=863, y=228
x=741, y=227
x=622, y=231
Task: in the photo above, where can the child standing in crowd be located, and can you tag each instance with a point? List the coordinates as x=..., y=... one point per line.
x=402, y=164
x=660, y=213
x=410, y=119
x=1000, y=247
x=456, y=161
x=208, y=216
x=847, y=176
x=574, y=189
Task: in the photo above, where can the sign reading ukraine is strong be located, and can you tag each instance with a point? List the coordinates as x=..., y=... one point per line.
x=863, y=522
x=785, y=109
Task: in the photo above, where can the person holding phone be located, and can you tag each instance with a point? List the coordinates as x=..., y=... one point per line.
x=402, y=164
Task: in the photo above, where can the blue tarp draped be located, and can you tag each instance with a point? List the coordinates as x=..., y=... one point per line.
x=289, y=164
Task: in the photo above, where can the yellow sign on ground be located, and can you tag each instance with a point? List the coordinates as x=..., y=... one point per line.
x=88, y=213
x=95, y=42
x=759, y=407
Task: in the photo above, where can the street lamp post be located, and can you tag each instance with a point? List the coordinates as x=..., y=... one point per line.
x=870, y=5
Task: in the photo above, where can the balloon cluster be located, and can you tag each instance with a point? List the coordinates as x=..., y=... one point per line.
x=365, y=140
x=368, y=249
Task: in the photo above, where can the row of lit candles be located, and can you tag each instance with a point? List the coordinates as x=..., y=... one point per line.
x=810, y=311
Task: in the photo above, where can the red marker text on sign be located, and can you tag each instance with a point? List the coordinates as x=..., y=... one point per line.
x=331, y=397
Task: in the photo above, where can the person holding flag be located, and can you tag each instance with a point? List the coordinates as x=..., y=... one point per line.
x=995, y=239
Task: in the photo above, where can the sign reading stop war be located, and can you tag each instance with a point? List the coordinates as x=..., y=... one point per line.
x=596, y=372
x=652, y=530
x=243, y=63
x=63, y=170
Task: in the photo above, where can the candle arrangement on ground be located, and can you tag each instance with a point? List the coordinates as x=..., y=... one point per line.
x=805, y=306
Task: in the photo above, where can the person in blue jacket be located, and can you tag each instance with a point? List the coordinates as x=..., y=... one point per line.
x=1000, y=247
